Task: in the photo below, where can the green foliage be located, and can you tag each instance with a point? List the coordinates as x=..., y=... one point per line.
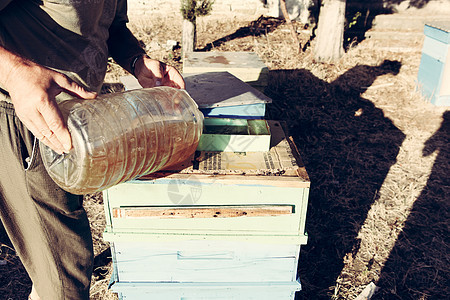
x=354, y=20
x=191, y=9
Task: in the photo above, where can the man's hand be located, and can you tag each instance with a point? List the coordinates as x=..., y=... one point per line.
x=151, y=73
x=33, y=89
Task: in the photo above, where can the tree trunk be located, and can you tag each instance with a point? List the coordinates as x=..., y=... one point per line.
x=330, y=31
x=292, y=27
x=305, y=14
x=189, y=36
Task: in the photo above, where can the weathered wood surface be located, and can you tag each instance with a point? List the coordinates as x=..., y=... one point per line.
x=201, y=212
x=247, y=66
x=163, y=236
x=280, y=166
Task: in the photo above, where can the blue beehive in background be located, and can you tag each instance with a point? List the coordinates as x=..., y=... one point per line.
x=434, y=70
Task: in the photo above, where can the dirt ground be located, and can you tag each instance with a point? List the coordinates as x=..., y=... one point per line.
x=376, y=152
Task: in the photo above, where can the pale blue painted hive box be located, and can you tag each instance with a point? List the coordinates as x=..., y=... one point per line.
x=219, y=94
x=434, y=71
x=232, y=98
x=222, y=225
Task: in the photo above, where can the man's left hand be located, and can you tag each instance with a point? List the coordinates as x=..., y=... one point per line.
x=150, y=73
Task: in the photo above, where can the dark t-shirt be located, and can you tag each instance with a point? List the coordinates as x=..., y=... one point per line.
x=69, y=36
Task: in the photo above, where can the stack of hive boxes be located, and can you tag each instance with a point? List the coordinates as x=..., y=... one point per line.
x=225, y=224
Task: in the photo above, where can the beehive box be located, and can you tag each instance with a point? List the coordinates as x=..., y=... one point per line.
x=247, y=66
x=223, y=95
x=257, y=193
x=176, y=258
x=434, y=70
x=203, y=291
x=222, y=225
x=219, y=94
x=234, y=135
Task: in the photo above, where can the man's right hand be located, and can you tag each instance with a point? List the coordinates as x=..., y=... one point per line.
x=33, y=89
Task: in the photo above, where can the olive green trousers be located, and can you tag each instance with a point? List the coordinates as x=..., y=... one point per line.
x=48, y=227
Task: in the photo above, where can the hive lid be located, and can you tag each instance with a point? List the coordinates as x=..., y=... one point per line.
x=213, y=89
x=442, y=25
x=226, y=60
x=282, y=162
x=439, y=30
x=218, y=89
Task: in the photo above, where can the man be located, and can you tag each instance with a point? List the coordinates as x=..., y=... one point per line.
x=51, y=50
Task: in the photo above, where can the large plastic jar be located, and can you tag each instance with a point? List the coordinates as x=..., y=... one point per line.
x=121, y=136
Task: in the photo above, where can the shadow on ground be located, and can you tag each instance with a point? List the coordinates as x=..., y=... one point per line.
x=417, y=267
x=15, y=283
x=14, y=280
x=348, y=147
x=360, y=15
x=262, y=25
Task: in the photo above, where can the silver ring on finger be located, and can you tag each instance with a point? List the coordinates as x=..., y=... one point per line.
x=47, y=134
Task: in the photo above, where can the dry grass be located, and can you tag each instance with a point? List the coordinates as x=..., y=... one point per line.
x=376, y=152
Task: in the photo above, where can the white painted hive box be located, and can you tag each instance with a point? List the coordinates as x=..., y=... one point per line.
x=206, y=291
x=254, y=193
x=183, y=260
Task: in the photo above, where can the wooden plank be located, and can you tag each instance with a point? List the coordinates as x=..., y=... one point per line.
x=294, y=285
x=287, y=224
x=247, y=66
x=133, y=268
x=155, y=236
x=205, y=193
x=200, y=212
x=280, y=163
x=206, y=261
x=226, y=179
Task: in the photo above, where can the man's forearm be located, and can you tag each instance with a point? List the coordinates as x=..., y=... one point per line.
x=123, y=46
x=8, y=63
